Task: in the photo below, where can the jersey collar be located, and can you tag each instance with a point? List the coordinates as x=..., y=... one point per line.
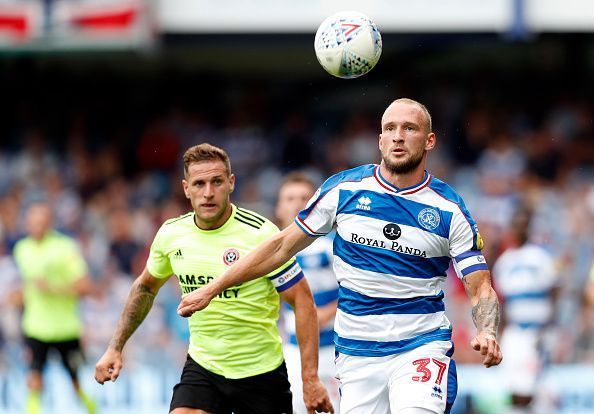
x=404, y=191
x=218, y=229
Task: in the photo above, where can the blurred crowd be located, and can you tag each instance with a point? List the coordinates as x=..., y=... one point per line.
x=112, y=186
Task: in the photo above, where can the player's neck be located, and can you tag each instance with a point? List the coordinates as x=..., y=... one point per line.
x=403, y=180
x=40, y=236
x=213, y=225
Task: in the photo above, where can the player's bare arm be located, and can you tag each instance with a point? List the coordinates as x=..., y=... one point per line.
x=267, y=257
x=301, y=300
x=485, y=315
x=139, y=303
x=326, y=313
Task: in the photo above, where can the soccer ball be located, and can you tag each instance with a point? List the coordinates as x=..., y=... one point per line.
x=348, y=44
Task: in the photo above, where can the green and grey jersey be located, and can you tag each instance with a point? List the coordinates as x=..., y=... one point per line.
x=236, y=335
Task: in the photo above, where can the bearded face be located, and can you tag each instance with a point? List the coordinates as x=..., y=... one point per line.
x=405, y=138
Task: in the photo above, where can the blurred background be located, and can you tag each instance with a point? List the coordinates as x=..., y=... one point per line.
x=99, y=99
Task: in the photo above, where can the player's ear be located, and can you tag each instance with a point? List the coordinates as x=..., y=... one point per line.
x=231, y=183
x=431, y=141
x=185, y=187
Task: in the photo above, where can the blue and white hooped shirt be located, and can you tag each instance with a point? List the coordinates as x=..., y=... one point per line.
x=391, y=252
x=525, y=278
x=316, y=263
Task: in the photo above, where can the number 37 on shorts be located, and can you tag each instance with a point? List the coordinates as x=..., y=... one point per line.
x=429, y=381
x=430, y=378
x=424, y=377
x=422, y=368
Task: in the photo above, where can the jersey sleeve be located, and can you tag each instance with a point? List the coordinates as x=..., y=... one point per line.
x=158, y=263
x=318, y=216
x=466, y=244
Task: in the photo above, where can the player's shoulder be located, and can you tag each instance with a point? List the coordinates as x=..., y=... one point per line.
x=356, y=174
x=179, y=219
x=505, y=256
x=250, y=220
x=54, y=238
x=175, y=226
x=21, y=244
x=445, y=190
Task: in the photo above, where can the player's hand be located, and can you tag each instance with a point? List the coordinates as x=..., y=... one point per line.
x=487, y=345
x=316, y=397
x=194, y=301
x=109, y=366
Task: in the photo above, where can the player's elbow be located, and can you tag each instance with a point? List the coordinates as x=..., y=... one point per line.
x=299, y=296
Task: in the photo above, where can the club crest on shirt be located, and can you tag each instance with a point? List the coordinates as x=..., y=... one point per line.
x=428, y=218
x=230, y=256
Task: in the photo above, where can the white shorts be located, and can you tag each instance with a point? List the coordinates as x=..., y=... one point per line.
x=522, y=362
x=326, y=372
x=424, y=377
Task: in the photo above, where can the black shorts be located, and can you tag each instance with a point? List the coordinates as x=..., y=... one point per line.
x=70, y=353
x=267, y=393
